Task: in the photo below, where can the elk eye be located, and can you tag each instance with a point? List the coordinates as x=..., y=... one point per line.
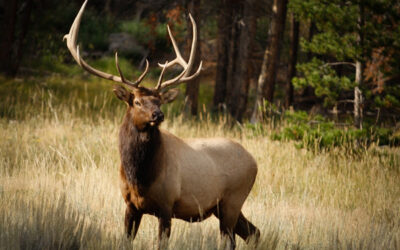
x=137, y=103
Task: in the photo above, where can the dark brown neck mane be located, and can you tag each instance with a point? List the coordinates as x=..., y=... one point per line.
x=138, y=151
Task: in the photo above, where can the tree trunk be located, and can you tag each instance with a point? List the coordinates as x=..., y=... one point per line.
x=240, y=78
x=107, y=7
x=21, y=39
x=294, y=45
x=266, y=80
x=233, y=49
x=8, y=37
x=235, y=53
x=358, y=99
x=224, y=20
x=311, y=32
x=308, y=90
x=357, y=108
x=192, y=87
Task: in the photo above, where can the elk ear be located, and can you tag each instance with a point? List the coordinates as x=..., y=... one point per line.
x=123, y=94
x=169, y=96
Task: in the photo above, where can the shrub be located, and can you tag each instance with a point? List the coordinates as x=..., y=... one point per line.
x=317, y=132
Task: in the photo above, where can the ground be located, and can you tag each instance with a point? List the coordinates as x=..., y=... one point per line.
x=59, y=180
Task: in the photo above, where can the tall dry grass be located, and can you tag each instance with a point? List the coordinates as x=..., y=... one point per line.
x=59, y=180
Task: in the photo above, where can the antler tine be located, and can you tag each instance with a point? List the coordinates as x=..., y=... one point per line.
x=143, y=74
x=118, y=68
x=179, y=59
x=194, y=44
x=187, y=66
x=161, y=76
x=71, y=38
x=124, y=80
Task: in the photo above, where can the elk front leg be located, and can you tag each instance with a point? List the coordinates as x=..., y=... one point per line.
x=132, y=220
x=164, y=230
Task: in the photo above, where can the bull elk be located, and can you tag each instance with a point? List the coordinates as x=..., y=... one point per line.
x=166, y=176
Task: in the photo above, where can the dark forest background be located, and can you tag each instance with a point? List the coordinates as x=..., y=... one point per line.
x=322, y=66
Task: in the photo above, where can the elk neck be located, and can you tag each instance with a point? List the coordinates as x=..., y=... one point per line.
x=138, y=151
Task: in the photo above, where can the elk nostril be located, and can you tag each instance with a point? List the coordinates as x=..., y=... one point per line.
x=158, y=115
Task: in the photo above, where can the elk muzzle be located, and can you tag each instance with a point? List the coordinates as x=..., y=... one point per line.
x=157, y=118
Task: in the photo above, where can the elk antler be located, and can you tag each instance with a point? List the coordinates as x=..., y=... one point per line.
x=71, y=38
x=187, y=66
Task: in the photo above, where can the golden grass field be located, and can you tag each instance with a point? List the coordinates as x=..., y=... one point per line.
x=59, y=186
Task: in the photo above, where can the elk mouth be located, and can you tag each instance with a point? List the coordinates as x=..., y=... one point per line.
x=157, y=121
x=154, y=123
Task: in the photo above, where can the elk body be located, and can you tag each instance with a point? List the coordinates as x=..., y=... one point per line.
x=166, y=176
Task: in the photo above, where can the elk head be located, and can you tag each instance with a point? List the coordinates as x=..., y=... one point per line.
x=143, y=103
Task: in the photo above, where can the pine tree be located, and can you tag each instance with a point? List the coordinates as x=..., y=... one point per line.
x=354, y=41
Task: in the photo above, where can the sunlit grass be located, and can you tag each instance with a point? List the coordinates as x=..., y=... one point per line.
x=59, y=179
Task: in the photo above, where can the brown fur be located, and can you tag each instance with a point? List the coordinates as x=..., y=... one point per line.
x=136, y=151
x=163, y=175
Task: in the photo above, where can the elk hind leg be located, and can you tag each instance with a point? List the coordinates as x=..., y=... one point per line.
x=245, y=229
